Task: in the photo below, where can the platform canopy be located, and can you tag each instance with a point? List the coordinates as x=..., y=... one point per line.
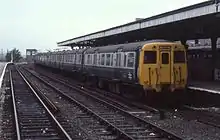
x=197, y=21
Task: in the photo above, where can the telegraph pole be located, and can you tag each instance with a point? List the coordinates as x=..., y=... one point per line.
x=12, y=56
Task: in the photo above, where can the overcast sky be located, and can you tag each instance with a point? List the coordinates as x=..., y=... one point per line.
x=41, y=23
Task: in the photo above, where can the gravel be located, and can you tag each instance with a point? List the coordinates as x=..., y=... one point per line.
x=188, y=129
x=6, y=115
x=69, y=112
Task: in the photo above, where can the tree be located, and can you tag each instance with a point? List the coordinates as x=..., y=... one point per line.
x=16, y=55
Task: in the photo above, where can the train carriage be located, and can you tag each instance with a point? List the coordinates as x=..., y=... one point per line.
x=69, y=60
x=155, y=65
x=80, y=60
x=115, y=63
x=53, y=60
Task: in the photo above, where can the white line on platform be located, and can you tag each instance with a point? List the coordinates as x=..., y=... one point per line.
x=3, y=73
x=203, y=89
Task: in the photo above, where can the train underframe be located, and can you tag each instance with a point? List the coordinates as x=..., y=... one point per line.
x=130, y=90
x=136, y=91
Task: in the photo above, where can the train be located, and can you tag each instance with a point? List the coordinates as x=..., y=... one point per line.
x=154, y=66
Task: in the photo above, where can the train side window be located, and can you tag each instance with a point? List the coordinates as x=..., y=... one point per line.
x=102, y=59
x=72, y=58
x=67, y=57
x=111, y=60
x=85, y=59
x=179, y=57
x=95, y=59
x=130, y=60
x=98, y=59
x=150, y=57
x=80, y=58
x=88, y=58
x=108, y=59
x=118, y=59
x=125, y=59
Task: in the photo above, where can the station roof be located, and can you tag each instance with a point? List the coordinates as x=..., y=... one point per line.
x=151, y=26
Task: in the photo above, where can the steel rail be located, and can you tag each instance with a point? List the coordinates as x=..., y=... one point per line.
x=14, y=108
x=65, y=134
x=114, y=128
x=157, y=128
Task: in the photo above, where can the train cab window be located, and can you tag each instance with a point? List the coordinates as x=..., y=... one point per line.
x=179, y=57
x=102, y=59
x=130, y=60
x=108, y=59
x=150, y=57
x=165, y=58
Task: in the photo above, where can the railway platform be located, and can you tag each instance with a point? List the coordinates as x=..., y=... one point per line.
x=206, y=86
x=2, y=71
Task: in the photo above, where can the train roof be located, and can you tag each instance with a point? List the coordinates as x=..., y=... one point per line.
x=122, y=47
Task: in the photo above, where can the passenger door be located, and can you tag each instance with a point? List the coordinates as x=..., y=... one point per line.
x=179, y=68
x=165, y=66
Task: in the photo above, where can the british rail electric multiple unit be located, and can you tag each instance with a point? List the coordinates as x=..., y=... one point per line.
x=155, y=65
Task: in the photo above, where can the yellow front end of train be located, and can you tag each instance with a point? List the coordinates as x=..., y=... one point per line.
x=163, y=67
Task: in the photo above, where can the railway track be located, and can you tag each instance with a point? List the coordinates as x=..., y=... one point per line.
x=121, y=102
x=118, y=121
x=33, y=119
x=205, y=117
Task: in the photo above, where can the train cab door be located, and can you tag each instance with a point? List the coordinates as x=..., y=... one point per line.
x=165, y=65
